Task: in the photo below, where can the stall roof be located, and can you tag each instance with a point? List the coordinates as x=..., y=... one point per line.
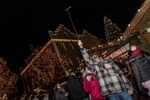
x=140, y=22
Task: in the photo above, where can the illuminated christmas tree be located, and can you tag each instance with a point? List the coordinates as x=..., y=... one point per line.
x=112, y=31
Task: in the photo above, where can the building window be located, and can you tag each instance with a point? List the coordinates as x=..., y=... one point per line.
x=70, y=61
x=77, y=59
x=71, y=45
x=66, y=34
x=63, y=46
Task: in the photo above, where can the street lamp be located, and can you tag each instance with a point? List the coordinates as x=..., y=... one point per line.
x=67, y=9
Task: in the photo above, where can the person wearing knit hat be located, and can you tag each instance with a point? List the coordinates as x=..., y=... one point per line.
x=112, y=82
x=140, y=64
x=91, y=86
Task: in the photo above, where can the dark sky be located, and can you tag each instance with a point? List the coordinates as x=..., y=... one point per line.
x=24, y=23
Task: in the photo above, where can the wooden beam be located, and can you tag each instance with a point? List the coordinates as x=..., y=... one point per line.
x=139, y=15
x=35, y=57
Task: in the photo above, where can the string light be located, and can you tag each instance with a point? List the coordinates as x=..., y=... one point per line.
x=64, y=40
x=8, y=80
x=45, y=68
x=112, y=31
x=129, y=25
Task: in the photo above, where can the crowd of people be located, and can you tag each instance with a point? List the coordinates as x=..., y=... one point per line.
x=108, y=79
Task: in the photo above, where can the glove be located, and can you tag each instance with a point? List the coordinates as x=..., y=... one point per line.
x=80, y=44
x=144, y=91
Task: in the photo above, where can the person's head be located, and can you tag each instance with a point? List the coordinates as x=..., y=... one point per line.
x=135, y=50
x=96, y=58
x=89, y=77
x=82, y=70
x=120, y=59
x=115, y=60
x=58, y=85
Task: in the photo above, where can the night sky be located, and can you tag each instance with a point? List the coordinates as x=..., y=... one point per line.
x=25, y=23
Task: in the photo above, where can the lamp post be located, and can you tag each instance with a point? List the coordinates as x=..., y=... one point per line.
x=67, y=9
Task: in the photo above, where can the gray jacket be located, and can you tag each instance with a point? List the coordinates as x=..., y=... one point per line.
x=141, y=68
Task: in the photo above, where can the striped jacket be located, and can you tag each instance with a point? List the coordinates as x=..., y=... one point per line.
x=110, y=76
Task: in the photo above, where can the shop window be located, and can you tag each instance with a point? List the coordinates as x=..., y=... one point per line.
x=66, y=34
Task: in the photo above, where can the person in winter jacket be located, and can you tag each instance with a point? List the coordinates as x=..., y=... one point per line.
x=60, y=93
x=75, y=88
x=91, y=86
x=140, y=64
x=112, y=81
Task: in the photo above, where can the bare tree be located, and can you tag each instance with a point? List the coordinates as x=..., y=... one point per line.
x=8, y=80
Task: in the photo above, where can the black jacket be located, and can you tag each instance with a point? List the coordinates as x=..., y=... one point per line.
x=75, y=88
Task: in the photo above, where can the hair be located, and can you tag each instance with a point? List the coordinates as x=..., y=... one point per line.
x=55, y=88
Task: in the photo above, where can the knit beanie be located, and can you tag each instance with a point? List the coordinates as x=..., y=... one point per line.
x=133, y=47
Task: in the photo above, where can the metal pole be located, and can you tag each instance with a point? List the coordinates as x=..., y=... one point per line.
x=67, y=9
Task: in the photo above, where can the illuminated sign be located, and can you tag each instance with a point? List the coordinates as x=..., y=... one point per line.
x=120, y=51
